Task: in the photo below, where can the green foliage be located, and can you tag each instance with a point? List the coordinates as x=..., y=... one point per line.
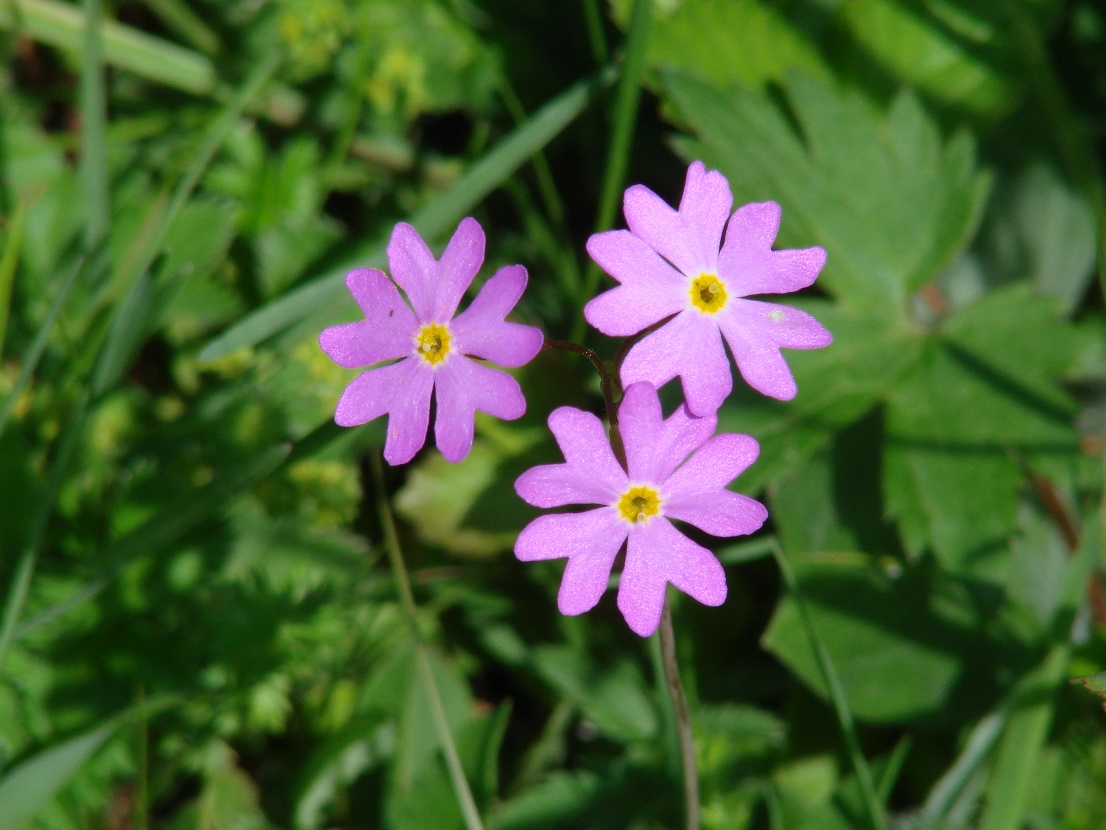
x=188, y=539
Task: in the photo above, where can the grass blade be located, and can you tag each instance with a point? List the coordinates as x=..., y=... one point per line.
x=31, y=785
x=1018, y=753
x=403, y=585
x=94, y=156
x=39, y=779
x=9, y=263
x=431, y=221
x=872, y=804
x=38, y=346
x=132, y=320
x=179, y=18
x=155, y=59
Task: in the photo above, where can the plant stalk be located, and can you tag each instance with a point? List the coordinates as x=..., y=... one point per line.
x=410, y=611
x=683, y=718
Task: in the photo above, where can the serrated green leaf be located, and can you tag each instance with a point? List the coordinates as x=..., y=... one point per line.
x=958, y=53
x=981, y=400
x=1040, y=229
x=848, y=180
x=726, y=42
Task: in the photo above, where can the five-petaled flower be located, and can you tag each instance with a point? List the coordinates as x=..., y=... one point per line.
x=433, y=349
x=636, y=505
x=669, y=263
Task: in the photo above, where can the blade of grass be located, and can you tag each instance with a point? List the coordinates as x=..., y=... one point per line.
x=872, y=803
x=131, y=321
x=431, y=221
x=410, y=611
x=180, y=19
x=32, y=784
x=62, y=25
x=622, y=136
x=94, y=155
x=37, y=780
x=1018, y=752
x=13, y=242
x=981, y=742
x=38, y=345
x=593, y=18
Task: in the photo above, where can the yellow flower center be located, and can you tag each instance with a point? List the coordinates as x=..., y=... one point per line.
x=639, y=504
x=432, y=343
x=708, y=293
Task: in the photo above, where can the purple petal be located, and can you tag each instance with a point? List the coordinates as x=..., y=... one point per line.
x=655, y=447
x=460, y=262
x=481, y=330
x=651, y=288
x=690, y=346
x=639, y=422
x=705, y=207
x=657, y=554
x=414, y=269
x=755, y=339
x=642, y=584
x=585, y=446
x=719, y=512
x=718, y=462
x=690, y=567
x=681, y=434
x=555, y=485
x=464, y=386
x=690, y=238
x=403, y=391
x=591, y=540
x=749, y=265
x=385, y=334
x=783, y=325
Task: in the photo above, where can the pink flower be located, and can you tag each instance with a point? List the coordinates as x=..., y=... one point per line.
x=636, y=506
x=433, y=349
x=669, y=263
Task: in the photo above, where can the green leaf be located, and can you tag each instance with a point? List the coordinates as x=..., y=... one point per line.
x=610, y=696
x=905, y=646
x=431, y=221
x=727, y=42
x=559, y=799
x=32, y=784
x=1038, y=229
x=832, y=501
x=879, y=192
x=982, y=398
x=960, y=54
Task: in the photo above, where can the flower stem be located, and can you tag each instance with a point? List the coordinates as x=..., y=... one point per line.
x=608, y=382
x=683, y=717
x=410, y=611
